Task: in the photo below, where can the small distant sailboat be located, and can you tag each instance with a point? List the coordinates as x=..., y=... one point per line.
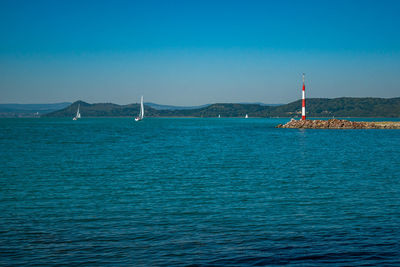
x=246, y=117
x=141, y=113
x=219, y=116
x=78, y=114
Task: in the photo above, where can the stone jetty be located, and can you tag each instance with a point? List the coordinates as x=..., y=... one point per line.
x=340, y=124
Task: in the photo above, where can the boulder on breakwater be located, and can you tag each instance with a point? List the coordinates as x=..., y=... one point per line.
x=340, y=124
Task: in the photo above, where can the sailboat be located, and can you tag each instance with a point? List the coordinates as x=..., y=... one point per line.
x=78, y=114
x=246, y=117
x=141, y=113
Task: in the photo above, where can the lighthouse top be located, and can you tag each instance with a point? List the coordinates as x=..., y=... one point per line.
x=303, y=102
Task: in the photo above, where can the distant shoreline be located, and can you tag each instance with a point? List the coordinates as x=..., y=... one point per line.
x=316, y=107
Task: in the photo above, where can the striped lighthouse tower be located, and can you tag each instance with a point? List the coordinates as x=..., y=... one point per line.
x=303, y=102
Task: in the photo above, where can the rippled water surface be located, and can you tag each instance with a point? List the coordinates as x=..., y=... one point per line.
x=196, y=191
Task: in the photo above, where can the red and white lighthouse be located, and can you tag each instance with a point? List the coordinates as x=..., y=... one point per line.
x=303, y=103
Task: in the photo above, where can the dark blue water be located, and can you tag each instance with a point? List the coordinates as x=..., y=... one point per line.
x=196, y=191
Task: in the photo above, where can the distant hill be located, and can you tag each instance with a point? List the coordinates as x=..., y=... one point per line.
x=223, y=109
x=113, y=110
x=316, y=107
x=342, y=107
x=29, y=110
x=169, y=107
x=261, y=104
x=163, y=107
x=102, y=110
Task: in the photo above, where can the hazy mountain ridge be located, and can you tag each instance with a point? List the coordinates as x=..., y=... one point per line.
x=316, y=107
x=30, y=110
x=171, y=107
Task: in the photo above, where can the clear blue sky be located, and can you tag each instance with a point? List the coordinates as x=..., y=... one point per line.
x=197, y=52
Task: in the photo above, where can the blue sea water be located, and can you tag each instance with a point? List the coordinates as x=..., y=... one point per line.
x=207, y=192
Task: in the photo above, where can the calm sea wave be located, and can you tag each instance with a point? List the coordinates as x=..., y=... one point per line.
x=196, y=192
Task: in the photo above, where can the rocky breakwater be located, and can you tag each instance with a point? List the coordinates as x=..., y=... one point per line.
x=340, y=124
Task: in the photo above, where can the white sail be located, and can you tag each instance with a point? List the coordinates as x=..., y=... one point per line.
x=141, y=108
x=141, y=112
x=78, y=114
